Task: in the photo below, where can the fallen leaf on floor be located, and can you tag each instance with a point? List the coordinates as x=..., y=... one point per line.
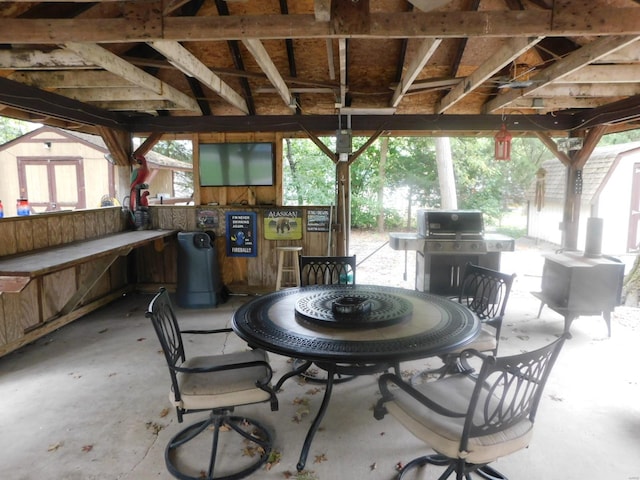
x=313, y=391
x=301, y=412
x=555, y=398
x=399, y=466
x=320, y=458
x=113, y=374
x=104, y=330
x=87, y=448
x=164, y=412
x=141, y=339
x=373, y=466
x=55, y=446
x=523, y=337
x=154, y=427
x=273, y=459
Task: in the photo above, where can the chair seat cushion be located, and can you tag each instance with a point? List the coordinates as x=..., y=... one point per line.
x=224, y=388
x=443, y=433
x=484, y=342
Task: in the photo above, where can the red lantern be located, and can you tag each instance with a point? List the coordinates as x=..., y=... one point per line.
x=503, y=144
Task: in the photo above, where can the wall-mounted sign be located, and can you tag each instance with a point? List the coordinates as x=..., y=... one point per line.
x=207, y=219
x=241, y=234
x=283, y=224
x=318, y=219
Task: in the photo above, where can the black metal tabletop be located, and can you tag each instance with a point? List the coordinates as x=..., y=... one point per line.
x=398, y=325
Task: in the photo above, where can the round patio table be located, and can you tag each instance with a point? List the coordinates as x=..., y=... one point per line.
x=353, y=329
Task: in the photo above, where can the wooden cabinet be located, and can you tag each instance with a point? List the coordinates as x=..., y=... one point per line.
x=575, y=285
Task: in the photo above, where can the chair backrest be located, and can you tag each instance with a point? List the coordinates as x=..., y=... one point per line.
x=508, y=390
x=165, y=323
x=485, y=291
x=327, y=270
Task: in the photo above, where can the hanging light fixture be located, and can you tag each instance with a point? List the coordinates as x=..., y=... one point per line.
x=503, y=144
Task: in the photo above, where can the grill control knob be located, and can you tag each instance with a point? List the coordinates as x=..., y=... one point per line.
x=498, y=246
x=457, y=246
x=474, y=246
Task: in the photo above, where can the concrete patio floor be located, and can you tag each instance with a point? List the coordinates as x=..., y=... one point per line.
x=90, y=401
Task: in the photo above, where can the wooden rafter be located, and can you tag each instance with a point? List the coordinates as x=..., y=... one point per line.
x=189, y=64
x=571, y=63
x=509, y=52
x=261, y=56
x=114, y=64
x=425, y=51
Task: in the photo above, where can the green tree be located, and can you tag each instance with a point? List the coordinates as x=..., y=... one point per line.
x=308, y=174
x=10, y=129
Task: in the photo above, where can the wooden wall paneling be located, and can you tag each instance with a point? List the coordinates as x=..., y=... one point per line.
x=90, y=224
x=40, y=229
x=169, y=257
x=101, y=223
x=181, y=218
x=86, y=275
x=67, y=231
x=24, y=235
x=8, y=238
x=118, y=273
x=150, y=265
x=54, y=230
x=3, y=327
x=21, y=311
x=57, y=289
x=79, y=231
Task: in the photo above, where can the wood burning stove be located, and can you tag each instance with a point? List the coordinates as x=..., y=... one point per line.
x=445, y=241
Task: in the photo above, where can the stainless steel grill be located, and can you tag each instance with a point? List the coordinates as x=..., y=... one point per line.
x=445, y=241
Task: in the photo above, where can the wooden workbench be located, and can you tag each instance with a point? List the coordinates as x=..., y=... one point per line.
x=46, y=288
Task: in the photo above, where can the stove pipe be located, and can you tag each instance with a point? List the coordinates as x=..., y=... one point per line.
x=593, y=243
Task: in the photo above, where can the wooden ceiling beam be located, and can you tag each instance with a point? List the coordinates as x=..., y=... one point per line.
x=261, y=56
x=425, y=51
x=586, y=90
x=70, y=79
x=187, y=63
x=119, y=144
x=505, y=55
x=571, y=63
x=114, y=64
x=151, y=25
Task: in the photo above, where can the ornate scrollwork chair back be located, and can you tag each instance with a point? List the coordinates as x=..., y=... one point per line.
x=485, y=292
x=215, y=383
x=470, y=420
x=327, y=270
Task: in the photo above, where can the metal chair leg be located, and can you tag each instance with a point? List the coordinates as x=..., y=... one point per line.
x=252, y=432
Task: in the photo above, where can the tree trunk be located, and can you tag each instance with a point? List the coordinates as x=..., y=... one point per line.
x=449, y=199
x=384, y=149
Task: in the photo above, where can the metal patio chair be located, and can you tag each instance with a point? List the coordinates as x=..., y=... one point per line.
x=324, y=270
x=485, y=292
x=471, y=420
x=327, y=270
x=216, y=383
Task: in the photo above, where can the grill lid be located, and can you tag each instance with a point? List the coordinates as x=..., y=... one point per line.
x=433, y=223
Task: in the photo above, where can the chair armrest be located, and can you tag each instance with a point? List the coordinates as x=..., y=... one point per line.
x=379, y=410
x=217, y=330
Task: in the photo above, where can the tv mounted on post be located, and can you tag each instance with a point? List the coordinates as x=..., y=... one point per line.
x=237, y=164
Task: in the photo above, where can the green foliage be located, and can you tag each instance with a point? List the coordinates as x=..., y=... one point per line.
x=11, y=129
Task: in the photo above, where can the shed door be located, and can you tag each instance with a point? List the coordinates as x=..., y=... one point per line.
x=634, y=220
x=53, y=184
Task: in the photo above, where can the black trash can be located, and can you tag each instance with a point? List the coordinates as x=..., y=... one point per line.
x=198, y=270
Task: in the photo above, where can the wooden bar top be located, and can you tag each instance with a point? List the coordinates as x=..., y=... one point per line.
x=39, y=262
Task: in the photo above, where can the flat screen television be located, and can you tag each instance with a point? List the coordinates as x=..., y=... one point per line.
x=237, y=164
